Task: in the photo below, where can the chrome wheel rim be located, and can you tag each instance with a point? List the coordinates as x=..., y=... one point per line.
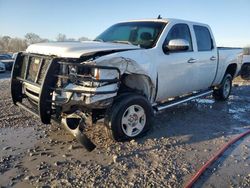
x=227, y=87
x=133, y=120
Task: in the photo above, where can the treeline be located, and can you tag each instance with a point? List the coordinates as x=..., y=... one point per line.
x=8, y=44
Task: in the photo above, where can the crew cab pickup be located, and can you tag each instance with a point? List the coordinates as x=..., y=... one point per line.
x=129, y=72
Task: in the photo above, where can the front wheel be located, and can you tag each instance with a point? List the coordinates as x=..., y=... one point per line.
x=130, y=117
x=223, y=92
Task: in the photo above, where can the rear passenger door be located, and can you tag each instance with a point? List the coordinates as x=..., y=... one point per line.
x=206, y=56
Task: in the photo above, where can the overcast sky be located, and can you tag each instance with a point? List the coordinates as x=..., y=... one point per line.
x=229, y=19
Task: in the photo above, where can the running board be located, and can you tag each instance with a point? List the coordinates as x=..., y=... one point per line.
x=182, y=100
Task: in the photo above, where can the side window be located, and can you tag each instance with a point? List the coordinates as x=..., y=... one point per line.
x=180, y=31
x=203, y=38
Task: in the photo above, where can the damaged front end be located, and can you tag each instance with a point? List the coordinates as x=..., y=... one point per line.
x=63, y=89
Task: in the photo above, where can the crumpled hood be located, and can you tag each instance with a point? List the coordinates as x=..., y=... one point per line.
x=76, y=49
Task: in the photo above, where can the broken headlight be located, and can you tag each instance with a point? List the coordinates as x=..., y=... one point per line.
x=84, y=76
x=73, y=74
x=90, y=76
x=95, y=73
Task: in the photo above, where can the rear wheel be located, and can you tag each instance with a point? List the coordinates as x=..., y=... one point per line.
x=130, y=117
x=223, y=92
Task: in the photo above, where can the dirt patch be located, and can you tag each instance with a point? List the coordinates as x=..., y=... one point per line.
x=182, y=139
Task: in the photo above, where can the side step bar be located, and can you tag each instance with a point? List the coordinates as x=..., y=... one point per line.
x=182, y=100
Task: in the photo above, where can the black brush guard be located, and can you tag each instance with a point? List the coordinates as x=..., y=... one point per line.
x=45, y=78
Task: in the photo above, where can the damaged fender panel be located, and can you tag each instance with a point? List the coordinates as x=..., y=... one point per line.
x=141, y=83
x=141, y=76
x=86, y=84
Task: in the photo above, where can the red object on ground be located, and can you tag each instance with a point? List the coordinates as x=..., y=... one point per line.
x=213, y=159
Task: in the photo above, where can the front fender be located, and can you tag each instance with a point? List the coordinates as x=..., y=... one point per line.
x=132, y=62
x=138, y=66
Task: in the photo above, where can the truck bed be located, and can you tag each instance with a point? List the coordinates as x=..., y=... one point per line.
x=226, y=56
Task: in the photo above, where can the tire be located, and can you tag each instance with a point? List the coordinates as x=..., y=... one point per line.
x=129, y=117
x=223, y=92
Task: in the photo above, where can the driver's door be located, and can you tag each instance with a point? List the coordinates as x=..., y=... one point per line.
x=177, y=70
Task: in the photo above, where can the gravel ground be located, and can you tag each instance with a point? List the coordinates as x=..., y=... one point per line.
x=182, y=139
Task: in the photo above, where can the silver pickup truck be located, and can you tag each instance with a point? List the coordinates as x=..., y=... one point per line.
x=127, y=73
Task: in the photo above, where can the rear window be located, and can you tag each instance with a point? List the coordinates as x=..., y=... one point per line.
x=203, y=38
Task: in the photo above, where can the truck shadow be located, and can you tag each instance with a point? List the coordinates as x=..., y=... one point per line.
x=203, y=119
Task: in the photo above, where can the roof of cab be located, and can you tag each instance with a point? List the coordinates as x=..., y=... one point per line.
x=165, y=20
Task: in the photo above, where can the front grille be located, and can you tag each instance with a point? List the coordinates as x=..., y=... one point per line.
x=24, y=64
x=36, y=77
x=34, y=67
x=43, y=70
x=33, y=79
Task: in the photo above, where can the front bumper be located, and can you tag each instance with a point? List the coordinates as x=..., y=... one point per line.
x=41, y=79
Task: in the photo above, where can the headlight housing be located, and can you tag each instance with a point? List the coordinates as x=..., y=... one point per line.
x=95, y=73
x=89, y=74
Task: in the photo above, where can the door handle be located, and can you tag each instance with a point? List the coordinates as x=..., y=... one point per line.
x=191, y=60
x=213, y=58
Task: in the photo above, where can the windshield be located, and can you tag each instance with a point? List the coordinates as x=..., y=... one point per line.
x=143, y=34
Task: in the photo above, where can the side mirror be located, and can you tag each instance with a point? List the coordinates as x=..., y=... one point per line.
x=176, y=45
x=245, y=71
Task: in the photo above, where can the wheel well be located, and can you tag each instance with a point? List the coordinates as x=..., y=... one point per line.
x=137, y=83
x=231, y=69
